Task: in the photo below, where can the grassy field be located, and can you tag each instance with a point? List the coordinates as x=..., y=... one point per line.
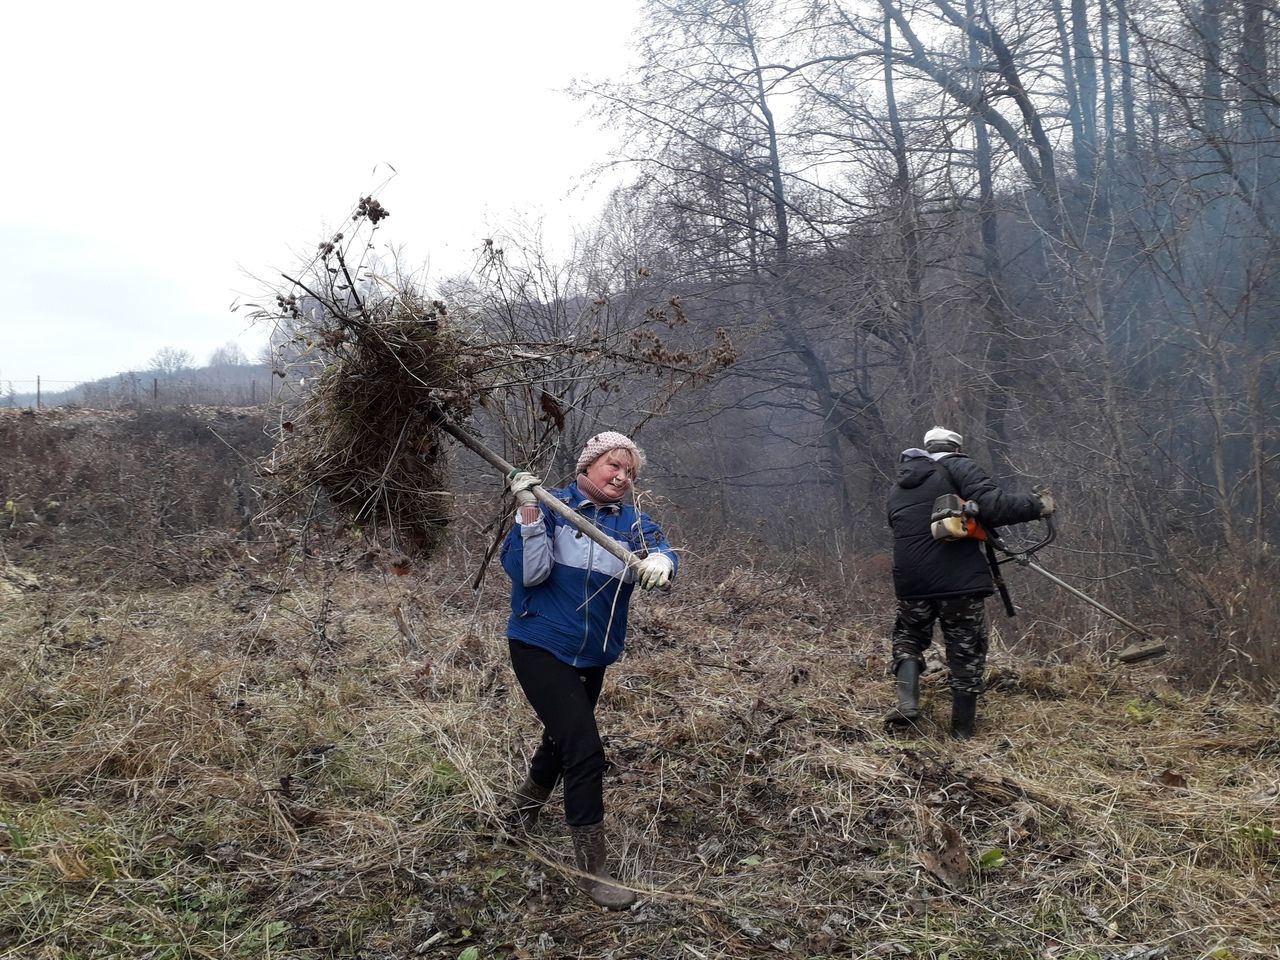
x=260, y=758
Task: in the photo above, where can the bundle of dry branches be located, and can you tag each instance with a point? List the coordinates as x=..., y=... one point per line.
x=363, y=433
x=371, y=362
x=366, y=364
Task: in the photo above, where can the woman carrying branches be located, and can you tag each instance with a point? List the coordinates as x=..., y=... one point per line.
x=569, y=599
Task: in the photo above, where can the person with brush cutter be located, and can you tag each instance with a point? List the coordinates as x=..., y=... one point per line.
x=569, y=600
x=939, y=507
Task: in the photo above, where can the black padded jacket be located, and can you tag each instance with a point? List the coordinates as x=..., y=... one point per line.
x=929, y=569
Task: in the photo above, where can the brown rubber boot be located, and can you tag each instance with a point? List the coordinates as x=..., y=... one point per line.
x=529, y=800
x=590, y=852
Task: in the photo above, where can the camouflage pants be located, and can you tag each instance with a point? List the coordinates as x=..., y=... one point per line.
x=964, y=630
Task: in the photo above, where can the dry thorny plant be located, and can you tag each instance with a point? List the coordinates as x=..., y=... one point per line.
x=371, y=362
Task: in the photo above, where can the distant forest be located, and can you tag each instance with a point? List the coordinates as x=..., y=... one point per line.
x=170, y=378
x=1050, y=225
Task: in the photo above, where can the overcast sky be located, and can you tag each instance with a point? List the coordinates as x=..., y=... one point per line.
x=158, y=154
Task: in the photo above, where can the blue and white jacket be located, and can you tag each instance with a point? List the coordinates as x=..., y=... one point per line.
x=569, y=595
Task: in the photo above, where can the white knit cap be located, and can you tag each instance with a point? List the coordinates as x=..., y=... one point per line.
x=602, y=443
x=943, y=435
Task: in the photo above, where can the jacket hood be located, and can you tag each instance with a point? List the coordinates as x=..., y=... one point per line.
x=916, y=465
x=913, y=467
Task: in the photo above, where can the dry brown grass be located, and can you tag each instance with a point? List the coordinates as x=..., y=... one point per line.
x=260, y=764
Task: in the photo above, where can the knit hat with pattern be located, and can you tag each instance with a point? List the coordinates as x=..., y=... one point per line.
x=602, y=443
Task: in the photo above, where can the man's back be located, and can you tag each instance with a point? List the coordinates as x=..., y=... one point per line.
x=925, y=568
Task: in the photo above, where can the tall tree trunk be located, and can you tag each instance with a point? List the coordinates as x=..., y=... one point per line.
x=1079, y=140
x=857, y=426
x=1217, y=404
x=1126, y=78
x=1257, y=113
x=1214, y=107
x=1037, y=161
x=1108, y=93
x=1086, y=82
x=919, y=380
x=1259, y=422
x=998, y=400
x=1256, y=101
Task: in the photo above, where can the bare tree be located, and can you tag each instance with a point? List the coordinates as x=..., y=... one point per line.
x=229, y=354
x=170, y=360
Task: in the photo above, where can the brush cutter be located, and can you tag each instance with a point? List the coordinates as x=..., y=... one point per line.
x=1025, y=556
x=570, y=516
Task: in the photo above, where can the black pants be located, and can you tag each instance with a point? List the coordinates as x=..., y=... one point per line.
x=564, y=698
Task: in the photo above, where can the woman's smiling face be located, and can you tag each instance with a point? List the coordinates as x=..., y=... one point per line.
x=613, y=471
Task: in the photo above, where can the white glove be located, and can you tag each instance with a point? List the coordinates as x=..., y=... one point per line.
x=654, y=571
x=1047, y=505
x=519, y=484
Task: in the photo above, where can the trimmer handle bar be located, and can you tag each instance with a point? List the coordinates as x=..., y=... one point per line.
x=1023, y=554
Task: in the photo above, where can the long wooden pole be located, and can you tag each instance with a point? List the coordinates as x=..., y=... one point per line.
x=544, y=496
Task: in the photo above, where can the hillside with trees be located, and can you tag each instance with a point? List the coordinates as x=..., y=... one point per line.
x=1047, y=225
x=170, y=378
